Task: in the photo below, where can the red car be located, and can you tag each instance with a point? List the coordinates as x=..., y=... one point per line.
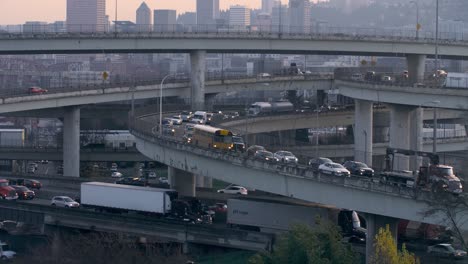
x=219, y=208
x=37, y=90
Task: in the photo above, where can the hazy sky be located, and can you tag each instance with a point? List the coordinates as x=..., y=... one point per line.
x=19, y=11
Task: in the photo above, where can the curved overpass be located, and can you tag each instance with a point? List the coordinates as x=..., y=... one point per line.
x=15, y=102
x=346, y=42
x=359, y=194
x=450, y=98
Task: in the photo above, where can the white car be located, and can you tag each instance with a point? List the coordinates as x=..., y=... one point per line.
x=176, y=120
x=64, y=201
x=163, y=180
x=6, y=253
x=151, y=174
x=116, y=174
x=334, y=169
x=286, y=157
x=234, y=189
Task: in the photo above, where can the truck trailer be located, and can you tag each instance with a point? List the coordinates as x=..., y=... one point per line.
x=263, y=216
x=264, y=108
x=118, y=197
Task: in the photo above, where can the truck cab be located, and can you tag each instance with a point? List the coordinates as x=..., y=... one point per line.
x=442, y=176
x=200, y=117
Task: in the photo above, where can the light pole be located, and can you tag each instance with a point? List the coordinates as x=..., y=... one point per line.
x=437, y=43
x=160, y=101
x=115, y=23
x=417, y=18
x=365, y=145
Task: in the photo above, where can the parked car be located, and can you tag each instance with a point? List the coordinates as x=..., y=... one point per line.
x=132, y=181
x=316, y=162
x=286, y=157
x=37, y=90
x=64, y=201
x=265, y=156
x=186, y=116
x=234, y=189
x=446, y=251
x=358, y=168
x=116, y=174
x=23, y=192
x=334, y=169
x=253, y=149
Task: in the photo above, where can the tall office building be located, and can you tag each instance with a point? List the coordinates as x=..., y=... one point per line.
x=207, y=12
x=280, y=19
x=239, y=15
x=299, y=15
x=267, y=5
x=86, y=15
x=165, y=20
x=143, y=17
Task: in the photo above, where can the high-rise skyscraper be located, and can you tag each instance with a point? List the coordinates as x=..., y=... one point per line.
x=143, y=17
x=280, y=18
x=299, y=15
x=207, y=12
x=267, y=5
x=239, y=15
x=165, y=20
x=86, y=15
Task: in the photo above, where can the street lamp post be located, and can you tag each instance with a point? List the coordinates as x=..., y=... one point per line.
x=160, y=101
x=115, y=23
x=365, y=145
x=434, y=130
x=437, y=43
x=417, y=18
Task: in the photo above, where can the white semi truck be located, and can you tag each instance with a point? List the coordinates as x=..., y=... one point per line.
x=120, y=197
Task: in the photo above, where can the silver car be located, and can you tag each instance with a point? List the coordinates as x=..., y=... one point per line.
x=64, y=201
x=286, y=157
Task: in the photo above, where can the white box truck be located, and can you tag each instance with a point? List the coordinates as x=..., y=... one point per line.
x=274, y=217
x=126, y=197
x=456, y=80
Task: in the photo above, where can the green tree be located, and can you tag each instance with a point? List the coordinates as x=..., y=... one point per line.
x=386, y=251
x=304, y=245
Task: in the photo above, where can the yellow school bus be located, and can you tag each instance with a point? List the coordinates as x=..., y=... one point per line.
x=212, y=137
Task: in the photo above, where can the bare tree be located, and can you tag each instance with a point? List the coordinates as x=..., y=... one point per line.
x=451, y=207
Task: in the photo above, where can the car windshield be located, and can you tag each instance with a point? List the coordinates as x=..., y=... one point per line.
x=445, y=171
x=197, y=117
x=325, y=160
x=68, y=199
x=361, y=165
x=237, y=140
x=267, y=154
x=336, y=166
x=185, y=113
x=449, y=248
x=21, y=188
x=3, y=184
x=286, y=153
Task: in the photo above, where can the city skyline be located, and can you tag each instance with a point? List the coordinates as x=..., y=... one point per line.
x=20, y=11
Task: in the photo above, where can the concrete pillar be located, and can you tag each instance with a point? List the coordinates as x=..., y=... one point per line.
x=416, y=136
x=71, y=142
x=416, y=67
x=399, y=133
x=363, y=131
x=374, y=223
x=183, y=182
x=197, y=79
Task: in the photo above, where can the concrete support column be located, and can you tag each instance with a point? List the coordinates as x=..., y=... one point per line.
x=204, y=182
x=363, y=131
x=399, y=133
x=183, y=182
x=416, y=136
x=71, y=142
x=197, y=79
x=416, y=67
x=374, y=223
